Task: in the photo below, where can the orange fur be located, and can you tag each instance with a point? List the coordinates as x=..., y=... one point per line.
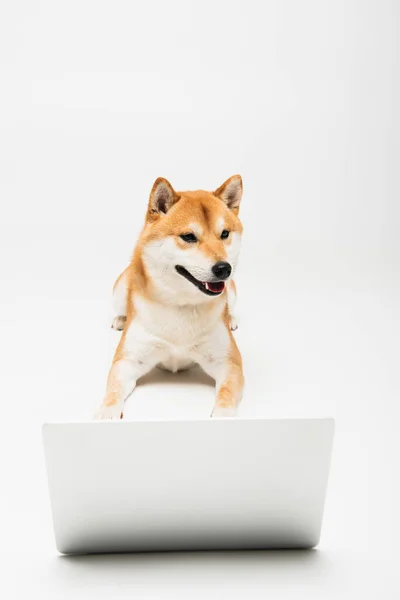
x=192, y=206
x=182, y=211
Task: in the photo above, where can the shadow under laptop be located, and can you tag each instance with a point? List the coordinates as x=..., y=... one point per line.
x=199, y=567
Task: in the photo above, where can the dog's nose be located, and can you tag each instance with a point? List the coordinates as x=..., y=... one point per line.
x=222, y=270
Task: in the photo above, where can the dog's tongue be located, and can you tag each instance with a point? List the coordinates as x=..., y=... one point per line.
x=215, y=287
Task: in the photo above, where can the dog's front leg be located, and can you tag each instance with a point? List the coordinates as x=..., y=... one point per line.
x=220, y=358
x=137, y=353
x=229, y=388
x=121, y=382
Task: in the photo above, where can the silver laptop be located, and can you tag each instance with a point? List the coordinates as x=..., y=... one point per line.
x=175, y=485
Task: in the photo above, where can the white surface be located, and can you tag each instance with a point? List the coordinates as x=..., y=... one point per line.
x=301, y=98
x=208, y=484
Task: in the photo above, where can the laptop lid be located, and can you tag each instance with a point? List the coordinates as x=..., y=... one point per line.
x=174, y=485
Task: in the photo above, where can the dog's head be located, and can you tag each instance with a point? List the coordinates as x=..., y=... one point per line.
x=191, y=241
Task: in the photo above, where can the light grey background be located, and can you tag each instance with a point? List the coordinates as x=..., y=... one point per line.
x=97, y=99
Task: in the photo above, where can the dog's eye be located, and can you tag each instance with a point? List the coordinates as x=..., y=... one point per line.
x=224, y=234
x=190, y=238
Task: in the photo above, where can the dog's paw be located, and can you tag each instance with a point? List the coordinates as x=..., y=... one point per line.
x=108, y=413
x=222, y=412
x=233, y=324
x=119, y=323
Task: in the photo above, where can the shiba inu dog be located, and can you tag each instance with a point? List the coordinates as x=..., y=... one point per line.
x=175, y=301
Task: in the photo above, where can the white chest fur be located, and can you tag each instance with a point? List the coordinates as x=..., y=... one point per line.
x=181, y=326
x=169, y=334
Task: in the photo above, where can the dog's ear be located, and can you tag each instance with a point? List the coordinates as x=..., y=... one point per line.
x=162, y=197
x=230, y=192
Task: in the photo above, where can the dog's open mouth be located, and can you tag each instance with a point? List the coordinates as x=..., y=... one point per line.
x=211, y=288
